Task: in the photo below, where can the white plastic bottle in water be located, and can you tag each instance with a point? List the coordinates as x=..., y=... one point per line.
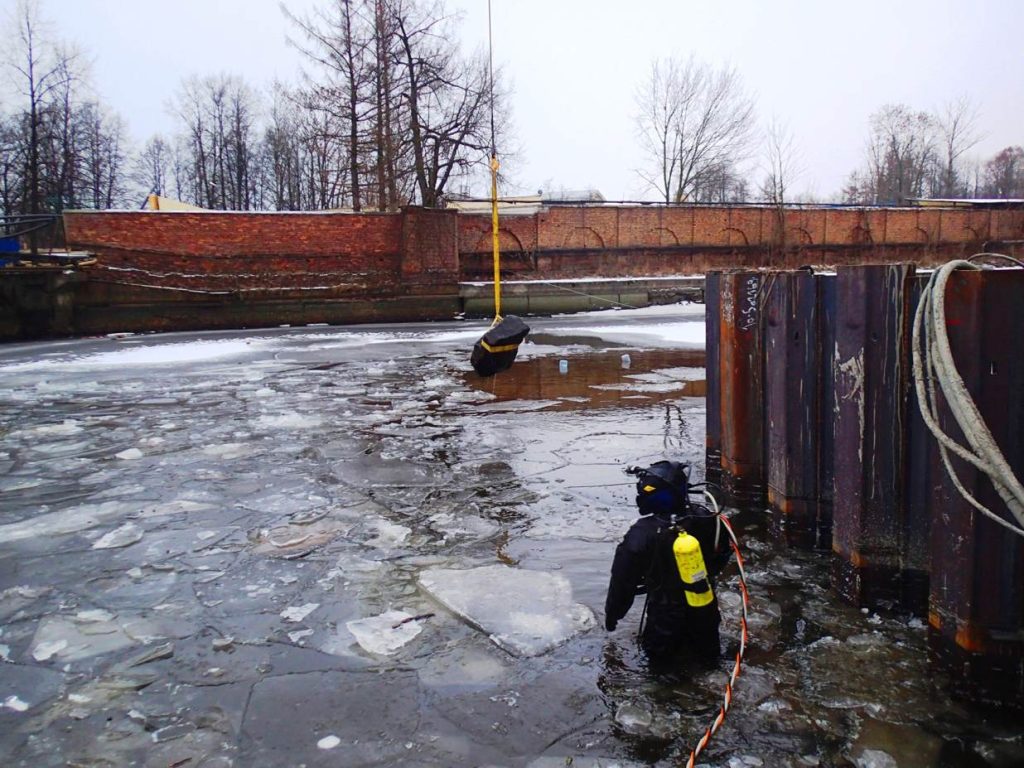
x=626, y=362
x=563, y=366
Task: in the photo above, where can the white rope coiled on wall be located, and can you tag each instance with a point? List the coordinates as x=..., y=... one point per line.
x=934, y=369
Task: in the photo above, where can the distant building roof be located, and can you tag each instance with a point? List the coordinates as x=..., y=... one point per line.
x=523, y=205
x=963, y=202
x=575, y=196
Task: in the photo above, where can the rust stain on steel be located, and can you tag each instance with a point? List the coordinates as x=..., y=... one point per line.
x=826, y=297
x=922, y=466
x=871, y=385
x=712, y=324
x=742, y=400
x=977, y=581
x=793, y=406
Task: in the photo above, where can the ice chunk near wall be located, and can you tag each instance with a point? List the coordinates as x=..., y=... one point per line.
x=526, y=613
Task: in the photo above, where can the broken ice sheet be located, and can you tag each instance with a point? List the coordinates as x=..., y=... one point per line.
x=384, y=634
x=297, y=613
x=90, y=633
x=123, y=536
x=526, y=613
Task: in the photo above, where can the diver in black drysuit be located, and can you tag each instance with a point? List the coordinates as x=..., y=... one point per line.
x=644, y=563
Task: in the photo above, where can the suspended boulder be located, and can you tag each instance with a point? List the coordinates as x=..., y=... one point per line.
x=496, y=350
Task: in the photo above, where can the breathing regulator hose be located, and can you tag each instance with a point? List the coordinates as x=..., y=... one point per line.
x=935, y=370
x=737, y=665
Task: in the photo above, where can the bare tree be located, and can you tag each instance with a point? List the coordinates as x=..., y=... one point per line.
x=694, y=122
x=219, y=116
x=448, y=99
x=781, y=163
x=901, y=153
x=152, y=166
x=339, y=41
x=957, y=126
x=782, y=166
x=1004, y=174
x=41, y=68
x=102, y=157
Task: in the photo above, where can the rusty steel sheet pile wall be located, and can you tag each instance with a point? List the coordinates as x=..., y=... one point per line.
x=798, y=428
x=872, y=373
x=564, y=241
x=712, y=366
x=741, y=398
x=977, y=566
x=836, y=351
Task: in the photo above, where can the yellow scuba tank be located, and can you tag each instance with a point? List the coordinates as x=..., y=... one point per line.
x=690, y=563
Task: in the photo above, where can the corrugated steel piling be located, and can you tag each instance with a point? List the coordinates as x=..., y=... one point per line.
x=923, y=470
x=827, y=297
x=712, y=366
x=872, y=379
x=742, y=388
x=817, y=402
x=793, y=399
x=976, y=614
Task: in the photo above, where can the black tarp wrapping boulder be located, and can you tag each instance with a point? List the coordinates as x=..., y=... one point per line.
x=496, y=350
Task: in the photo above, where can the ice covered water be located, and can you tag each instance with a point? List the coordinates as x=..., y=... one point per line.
x=386, y=633
x=527, y=613
x=272, y=504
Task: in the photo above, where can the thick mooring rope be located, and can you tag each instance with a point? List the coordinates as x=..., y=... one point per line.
x=935, y=369
x=738, y=664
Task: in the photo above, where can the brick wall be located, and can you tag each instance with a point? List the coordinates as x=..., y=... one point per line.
x=583, y=241
x=332, y=254
x=421, y=251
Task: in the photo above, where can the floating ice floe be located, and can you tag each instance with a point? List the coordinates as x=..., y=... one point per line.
x=298, y=613
x=123, y=536
x=386, y=633
x=13, y=702
x=389, y=535
x=526, y=613
x=89, y=633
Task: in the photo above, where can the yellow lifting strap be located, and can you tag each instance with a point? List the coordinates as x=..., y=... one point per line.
x=494, y=238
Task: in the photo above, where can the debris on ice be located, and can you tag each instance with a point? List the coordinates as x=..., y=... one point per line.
x=386, y=633
x=129, y=454
x=526, y=613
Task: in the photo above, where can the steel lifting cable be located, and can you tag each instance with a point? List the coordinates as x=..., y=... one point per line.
x=494, y=175
x=737, y=665
x=934, y=369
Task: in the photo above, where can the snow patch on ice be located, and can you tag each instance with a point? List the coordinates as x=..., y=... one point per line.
x=150, y=354
x=227, y=450
x=328, y=742
x=289, y=421
x=526, y=613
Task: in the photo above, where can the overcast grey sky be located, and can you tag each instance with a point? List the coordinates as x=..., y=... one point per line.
x=820, y=67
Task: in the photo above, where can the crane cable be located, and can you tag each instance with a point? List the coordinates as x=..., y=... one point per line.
x=494, y=176
x=737, y=665
x=934, y=369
